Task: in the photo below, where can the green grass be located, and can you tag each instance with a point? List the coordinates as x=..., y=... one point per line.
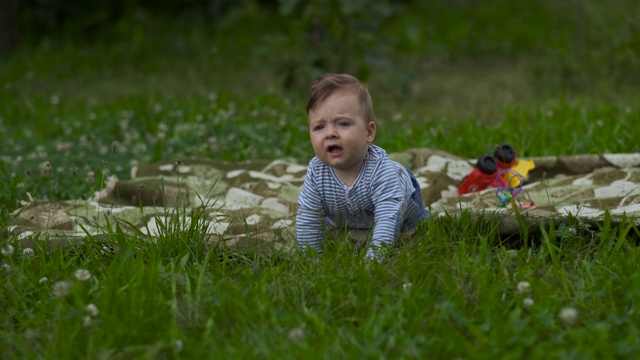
x=451, y=292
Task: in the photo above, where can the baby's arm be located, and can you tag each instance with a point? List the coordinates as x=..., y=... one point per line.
x=310, y=217
x=388, y=198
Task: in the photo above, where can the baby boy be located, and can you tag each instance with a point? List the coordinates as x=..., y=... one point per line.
x=351, y=183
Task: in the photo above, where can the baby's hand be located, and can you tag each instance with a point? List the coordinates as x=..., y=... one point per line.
x=376, y=253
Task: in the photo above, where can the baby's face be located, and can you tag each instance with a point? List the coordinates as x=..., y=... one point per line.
x=339, y=133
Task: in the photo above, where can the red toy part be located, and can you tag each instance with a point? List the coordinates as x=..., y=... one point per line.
x=483, y=176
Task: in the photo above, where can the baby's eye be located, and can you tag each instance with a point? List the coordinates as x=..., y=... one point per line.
x=343, y=124
x=318, y=127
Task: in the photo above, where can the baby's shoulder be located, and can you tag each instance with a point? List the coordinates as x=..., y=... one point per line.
x=317, y=166
x=387, y=170
x=383, y=163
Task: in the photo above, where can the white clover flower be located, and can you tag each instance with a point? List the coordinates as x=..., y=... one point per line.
x=61, y=288
x=406, y=287
x=45, y=167
x=92, y=310
x=7, y=250
x=91, y=177
x=83, y=274
x=43, y=280
x=28, y=252
x=179, y=345
x=6, y=267
x=523, y=287
x=568, y=315
x=296, y=334
x=528, y=302
x=86, y=321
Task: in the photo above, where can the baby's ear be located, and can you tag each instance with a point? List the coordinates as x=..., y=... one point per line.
x=371, y=131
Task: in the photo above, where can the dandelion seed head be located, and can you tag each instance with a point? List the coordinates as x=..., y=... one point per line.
x=6, y=267
x=92, y=310
x=28, y=252
x=83, y=274
x=523, y=287
x=296, y=334
x=407, y=286
x=46, y=168
x=528, y=302
x=179, y=345
x=86, y=321
x=61, y=288
x=91, y=177
x=568, y=315
x=7, y=250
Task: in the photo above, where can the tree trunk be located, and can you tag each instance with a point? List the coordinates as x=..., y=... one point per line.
x=9, y=26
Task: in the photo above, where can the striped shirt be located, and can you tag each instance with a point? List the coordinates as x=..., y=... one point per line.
x=383, y=198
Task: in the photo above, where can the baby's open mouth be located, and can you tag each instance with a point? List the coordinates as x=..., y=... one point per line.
x=334, y=149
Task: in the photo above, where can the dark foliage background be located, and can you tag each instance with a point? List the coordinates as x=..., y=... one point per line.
x=584, y=38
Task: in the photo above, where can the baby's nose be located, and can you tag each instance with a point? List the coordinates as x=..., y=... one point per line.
x=331, y=132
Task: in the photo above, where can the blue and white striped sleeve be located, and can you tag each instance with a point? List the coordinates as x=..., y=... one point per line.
x=388, y=198
x=311, y=215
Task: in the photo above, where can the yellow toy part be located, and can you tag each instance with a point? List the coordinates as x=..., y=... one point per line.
x=522, y=167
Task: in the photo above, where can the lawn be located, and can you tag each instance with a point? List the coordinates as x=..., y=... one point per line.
x=73, y=112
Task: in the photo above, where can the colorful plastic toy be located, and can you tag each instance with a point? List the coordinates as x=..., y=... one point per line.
x=491, y=171
x=482, y=176
x=508, y=195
